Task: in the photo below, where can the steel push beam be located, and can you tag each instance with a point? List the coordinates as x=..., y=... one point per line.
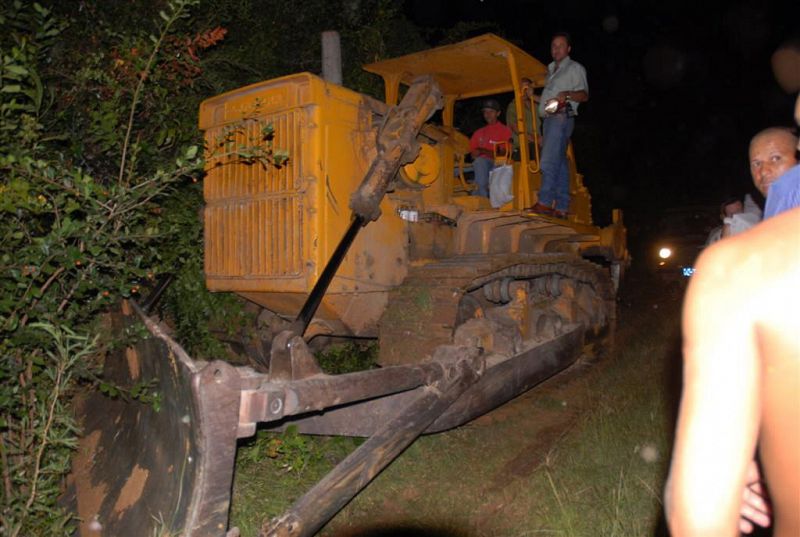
x=356, y=471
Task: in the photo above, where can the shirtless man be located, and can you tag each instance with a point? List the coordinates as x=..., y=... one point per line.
x=741, y=383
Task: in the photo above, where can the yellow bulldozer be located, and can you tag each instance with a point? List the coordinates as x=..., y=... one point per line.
x=370, y=228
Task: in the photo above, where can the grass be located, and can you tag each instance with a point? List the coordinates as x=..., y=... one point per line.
x=275, y=469
x=607, y=475
x=584, y=454
x=348, y=357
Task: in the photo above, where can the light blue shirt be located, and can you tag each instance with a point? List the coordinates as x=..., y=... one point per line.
x=783, y=194
x=570, y=76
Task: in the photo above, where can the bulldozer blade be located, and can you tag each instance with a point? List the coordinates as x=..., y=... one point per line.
x=161, y=463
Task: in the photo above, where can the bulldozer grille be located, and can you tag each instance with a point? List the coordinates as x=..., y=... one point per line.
x=254, y=212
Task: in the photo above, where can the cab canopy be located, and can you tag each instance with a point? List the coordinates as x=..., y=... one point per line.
x=483, y=65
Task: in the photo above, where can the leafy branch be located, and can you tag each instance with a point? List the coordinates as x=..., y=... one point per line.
x=178, y=10
x=54, y=434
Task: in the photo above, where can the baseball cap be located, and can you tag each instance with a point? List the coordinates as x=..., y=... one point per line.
x=490, y=103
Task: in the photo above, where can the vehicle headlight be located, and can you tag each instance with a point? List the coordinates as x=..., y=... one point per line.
x=664, y=253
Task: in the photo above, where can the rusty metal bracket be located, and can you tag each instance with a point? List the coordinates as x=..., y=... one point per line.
x=291, y=359
x=176, y=464
x=171, y=462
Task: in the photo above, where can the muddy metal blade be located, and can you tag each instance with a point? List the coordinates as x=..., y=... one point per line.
x=142, y=470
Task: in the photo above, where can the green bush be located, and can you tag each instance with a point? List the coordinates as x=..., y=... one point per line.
x=82, y=225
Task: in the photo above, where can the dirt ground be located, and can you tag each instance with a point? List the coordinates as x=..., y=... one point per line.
x=519, y=437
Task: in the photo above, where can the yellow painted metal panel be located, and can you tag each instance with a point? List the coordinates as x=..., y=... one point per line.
x=472, y=68
x=271, y=231
x=256, y=216
x=254, y=213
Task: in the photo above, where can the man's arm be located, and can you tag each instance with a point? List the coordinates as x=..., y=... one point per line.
x=581, y=92
x=718, y=420
x=579, y=96
x=474, y=148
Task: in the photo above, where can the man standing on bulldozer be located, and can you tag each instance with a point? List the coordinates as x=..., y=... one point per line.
x=565, y=88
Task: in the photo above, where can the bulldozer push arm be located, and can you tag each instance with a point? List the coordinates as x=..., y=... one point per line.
x=172, y=468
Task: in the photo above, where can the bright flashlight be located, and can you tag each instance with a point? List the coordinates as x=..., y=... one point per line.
x=664, y=253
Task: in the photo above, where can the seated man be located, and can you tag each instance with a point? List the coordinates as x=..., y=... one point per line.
x=728, y=208
x=739, y=221
x=483, y=142
x=741, y=384
x=526, y=89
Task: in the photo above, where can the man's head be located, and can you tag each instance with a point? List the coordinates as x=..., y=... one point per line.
x=491, y=111
x=772, y=153
x=560, y=46
x=526, y=85
x=730, y=207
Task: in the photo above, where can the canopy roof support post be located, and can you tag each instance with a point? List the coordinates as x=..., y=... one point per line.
x=449, y=110
x=522, y=196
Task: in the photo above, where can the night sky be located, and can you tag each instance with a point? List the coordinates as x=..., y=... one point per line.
x=677, y=88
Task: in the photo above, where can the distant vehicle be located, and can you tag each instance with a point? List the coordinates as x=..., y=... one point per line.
x=681, y=236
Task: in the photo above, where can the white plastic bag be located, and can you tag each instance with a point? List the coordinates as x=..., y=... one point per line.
x=501, y=182
x=745, y=220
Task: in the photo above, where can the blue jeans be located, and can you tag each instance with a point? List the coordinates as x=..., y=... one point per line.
x=481, y=166
x=555, y=170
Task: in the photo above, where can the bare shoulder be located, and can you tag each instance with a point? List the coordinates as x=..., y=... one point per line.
x=747, y=279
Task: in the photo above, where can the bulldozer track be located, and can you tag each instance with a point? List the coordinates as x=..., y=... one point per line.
x=423, y=310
